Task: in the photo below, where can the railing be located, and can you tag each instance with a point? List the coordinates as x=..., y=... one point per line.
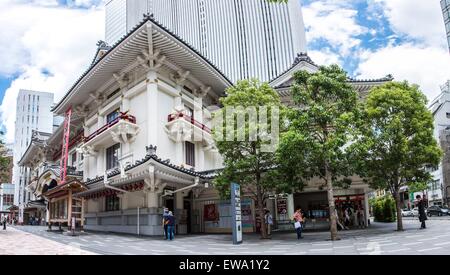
x=122, y=116
x=189, y=119
x=78, y=138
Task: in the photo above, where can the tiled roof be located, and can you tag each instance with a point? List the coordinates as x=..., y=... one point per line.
x=147, y=18
x=152, y=156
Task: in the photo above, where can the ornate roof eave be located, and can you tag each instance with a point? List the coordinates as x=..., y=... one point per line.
x=125, y=42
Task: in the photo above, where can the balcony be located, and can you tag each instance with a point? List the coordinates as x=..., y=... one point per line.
x=79, y=137
x=181, y=127
x=122, y=130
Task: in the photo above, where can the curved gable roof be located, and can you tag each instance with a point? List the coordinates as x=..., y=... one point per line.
x=126, y=51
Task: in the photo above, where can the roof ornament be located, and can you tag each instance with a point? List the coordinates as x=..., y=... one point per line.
x=303, y=57
x=151, y=150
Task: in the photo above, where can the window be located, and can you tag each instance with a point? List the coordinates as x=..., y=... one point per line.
x=112, y=157
x=37, y=120
x=112, y=203
x=112, y=116
x=448, y=115
x=74, y=159
x=190, y=153
x=37, y=109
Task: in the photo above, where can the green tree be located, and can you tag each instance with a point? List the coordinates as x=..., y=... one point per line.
x=245, y=159
x=396, y=146
x=320, y=127
x=5, y=161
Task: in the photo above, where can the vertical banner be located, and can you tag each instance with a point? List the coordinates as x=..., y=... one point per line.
x=236, y=213
x=65, y=146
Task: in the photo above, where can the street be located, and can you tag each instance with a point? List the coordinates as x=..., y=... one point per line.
x=379, y=239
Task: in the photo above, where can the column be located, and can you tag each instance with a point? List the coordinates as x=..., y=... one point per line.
x=100, y=156
x=152, y=108
x=179, y=106
x=366, y=207
x=152, y=200
x=290, y=205
x=179, y=206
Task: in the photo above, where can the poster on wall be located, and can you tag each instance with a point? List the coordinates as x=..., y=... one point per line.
x=210, y=213
x=282, y=206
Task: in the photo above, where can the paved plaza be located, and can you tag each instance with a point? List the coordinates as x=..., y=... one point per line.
x=379, y=239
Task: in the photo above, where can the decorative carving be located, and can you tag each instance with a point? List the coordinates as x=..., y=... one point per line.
x=98, y=97
x=87, y=151
x=122, y=79
x=125, y=132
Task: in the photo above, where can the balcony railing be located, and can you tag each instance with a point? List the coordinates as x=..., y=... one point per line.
x=122, y=116
x=78, y=138
x=173, y=117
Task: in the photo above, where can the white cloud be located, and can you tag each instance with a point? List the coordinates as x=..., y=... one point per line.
x=418, y=19
x=59, y=40
x=424, y=65
x=325, y=57
x=334, y=22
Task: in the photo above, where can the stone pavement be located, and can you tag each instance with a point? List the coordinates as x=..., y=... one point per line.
x=18, y=242
x=379, y=239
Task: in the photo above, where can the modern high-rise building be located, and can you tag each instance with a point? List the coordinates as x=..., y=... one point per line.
x=33, y=113
x=243, y=38
x=445, y=5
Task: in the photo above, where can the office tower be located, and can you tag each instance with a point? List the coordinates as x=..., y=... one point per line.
x=243, y=38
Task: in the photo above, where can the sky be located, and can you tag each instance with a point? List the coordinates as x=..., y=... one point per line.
x=46, y=45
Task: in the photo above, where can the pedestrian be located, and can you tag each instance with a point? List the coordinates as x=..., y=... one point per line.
x=422, y=214
x=298, y=219
x=360, y=218
x=347, y=217
x=4, y=223
x=269, y=222
x=165, y=222
x=338, y=219
x=171, y=226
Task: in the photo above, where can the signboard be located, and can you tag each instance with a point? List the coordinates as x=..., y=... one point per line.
x=282, y=206
x=236, y=211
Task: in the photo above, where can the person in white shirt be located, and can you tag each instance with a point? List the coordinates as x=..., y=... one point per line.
x=269, y=222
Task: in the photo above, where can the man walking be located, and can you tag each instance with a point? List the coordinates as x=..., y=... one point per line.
x=298, y=219
x=165, y=222
x=422, y=214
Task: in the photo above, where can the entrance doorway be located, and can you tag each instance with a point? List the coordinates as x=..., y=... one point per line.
x=187, y=208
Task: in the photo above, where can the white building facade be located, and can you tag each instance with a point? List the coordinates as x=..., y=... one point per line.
x=245, y=39
x=33, y=113
x=440, y=108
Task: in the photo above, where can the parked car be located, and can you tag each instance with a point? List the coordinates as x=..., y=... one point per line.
x=437, y=211
x=407, y=213
x=415, y=212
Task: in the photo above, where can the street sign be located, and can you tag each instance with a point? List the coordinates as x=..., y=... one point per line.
x=236, y=213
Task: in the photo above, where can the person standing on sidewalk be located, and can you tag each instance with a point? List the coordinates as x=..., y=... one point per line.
x=4, y=223
x=269, y=222
x=165, y=222
x=422, y=214
x=171, y=226
x=298, y=220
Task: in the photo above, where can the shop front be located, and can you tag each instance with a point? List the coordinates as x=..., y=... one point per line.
x=64, y=208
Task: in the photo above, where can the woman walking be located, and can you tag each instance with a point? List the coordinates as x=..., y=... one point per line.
x=298, y=220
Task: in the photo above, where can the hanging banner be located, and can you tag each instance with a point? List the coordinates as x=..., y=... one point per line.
x=236, y=213
x=65, y=146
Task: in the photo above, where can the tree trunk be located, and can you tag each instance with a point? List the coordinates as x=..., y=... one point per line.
x=260, y=206
x=399, y=211
x=332, y=207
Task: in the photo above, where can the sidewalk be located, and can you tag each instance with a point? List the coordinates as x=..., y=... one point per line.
x=17, y=242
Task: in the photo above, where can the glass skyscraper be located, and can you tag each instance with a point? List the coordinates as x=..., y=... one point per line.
x=445, y=5
x=243, y=38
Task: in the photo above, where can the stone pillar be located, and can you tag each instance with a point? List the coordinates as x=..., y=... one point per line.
x=366, y=206
x=152, y=108
x=100, y=169
x=179, y=206
x=152, y=199
x=290, y=205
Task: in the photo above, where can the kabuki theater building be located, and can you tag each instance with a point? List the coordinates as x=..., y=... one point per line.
x=137, y=138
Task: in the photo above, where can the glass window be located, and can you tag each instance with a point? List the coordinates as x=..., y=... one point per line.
x=190, y=153
x=112, y=156
x=74, y=159
x=112, y=203
x=112, y=116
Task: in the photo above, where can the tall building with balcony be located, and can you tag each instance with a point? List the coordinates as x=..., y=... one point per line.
x=33, y=113
x=445, y=5
x=243, y=38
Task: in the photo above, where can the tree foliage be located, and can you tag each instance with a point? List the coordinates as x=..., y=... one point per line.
x=320, y=127
x=396, y=146
x=245, y=161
